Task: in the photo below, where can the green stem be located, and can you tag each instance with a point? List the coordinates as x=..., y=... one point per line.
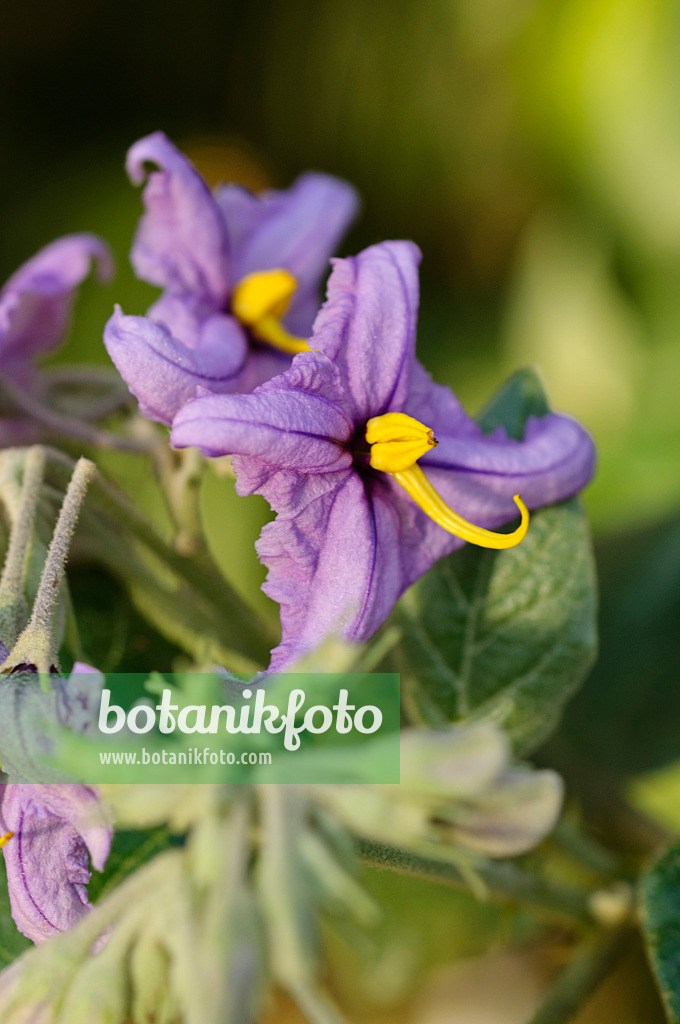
x=585, y=849
x=248, y=634
x=504, y=880
x=64, y=426
x=22, y=512
x=37, y=644
x=590, y=966
x=180, y=474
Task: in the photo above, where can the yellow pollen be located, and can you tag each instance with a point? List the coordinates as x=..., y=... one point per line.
x=260, y=301
x=397, y=441
x=5, y=839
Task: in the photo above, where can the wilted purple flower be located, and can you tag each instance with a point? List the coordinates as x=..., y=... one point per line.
x=35, y=304
x=31, y=718
x=240, y=274
x=349, y=537
x=46, y=832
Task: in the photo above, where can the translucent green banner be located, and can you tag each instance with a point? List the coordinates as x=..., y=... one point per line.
x=202, y=728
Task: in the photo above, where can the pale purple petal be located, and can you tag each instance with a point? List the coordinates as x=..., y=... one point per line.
x=479, y=476
x=55, y=827
x=35, y=304
x=292, y=422
x=368, y=325
x=183, y=317
x=320, y=561
x=339, y=554
x=181, y=243
x=163, y=373
x=436, y=404
x=264, y=362
x=79, y=699
x=297, y=229
x=242, y=211
x=30, y=715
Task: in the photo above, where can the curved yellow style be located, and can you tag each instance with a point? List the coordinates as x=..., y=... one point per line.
x=260, y=301
x=6, y=838
x=416, y=484
x=397, y=441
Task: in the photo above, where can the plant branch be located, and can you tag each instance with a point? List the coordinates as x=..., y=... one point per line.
x=590, y=966
x=504, y=881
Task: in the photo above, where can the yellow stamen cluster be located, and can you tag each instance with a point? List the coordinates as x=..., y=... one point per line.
x=397, y=441
x=260, y=301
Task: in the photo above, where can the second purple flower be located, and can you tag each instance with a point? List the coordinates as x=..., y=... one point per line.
x=240, y=275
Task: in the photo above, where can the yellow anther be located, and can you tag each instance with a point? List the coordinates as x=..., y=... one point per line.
x=260, y=301
x=397, y=441
x=5, y=839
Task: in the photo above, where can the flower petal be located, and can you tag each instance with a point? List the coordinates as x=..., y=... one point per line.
x=47, y=858
x=319, y=562
x=368, y=325
x=479, y=475
x=334, y=558
x=292, y=422
x=35, y=304
x=162, y=372
x=181, y=242
x=297, y=229
x=243, y=212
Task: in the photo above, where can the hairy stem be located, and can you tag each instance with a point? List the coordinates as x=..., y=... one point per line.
x=504, y=881
x=13, y=606
x=244, y=630
x=66, y=427
x=36, y=645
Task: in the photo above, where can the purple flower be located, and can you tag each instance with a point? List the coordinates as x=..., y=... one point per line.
x=35, y=304
x=240, y=274
x=47, y=832
x=31, y=718
x=355, y=522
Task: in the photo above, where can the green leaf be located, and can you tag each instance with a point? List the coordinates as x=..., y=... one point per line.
x=521, y=396
x=509, y=634
x=660, y=907
x=12, y=942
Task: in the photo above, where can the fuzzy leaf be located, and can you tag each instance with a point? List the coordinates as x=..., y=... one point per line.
x=660, y=905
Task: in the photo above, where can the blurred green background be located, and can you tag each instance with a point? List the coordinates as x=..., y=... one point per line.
x=530, y=147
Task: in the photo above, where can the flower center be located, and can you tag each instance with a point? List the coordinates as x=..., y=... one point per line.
x=397, y=441
x=260, y=301
x=5, y=839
